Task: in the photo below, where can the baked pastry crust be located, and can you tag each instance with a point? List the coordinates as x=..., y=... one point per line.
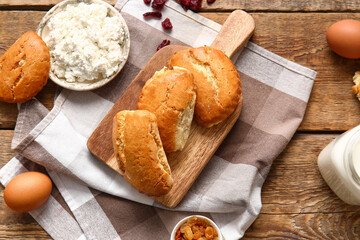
x=170, y=95
x=139, y=152
x=24, y=69
x=217, y=82
x=356, y=87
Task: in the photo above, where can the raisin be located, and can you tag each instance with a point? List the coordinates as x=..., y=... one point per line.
x=158, y=4
x=152, y=14
x=210, y=1
x=163, y=44
x=166, y=24
x=147, y=2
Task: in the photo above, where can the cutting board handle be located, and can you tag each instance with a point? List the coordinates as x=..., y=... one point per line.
x=234, y=33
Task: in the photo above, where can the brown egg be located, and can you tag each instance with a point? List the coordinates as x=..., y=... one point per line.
x=343, y=38
x=27, y=191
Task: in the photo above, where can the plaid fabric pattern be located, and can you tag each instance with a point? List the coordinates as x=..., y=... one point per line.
x=91, y=201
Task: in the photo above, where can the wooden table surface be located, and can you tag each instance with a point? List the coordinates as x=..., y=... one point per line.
x=297, y=203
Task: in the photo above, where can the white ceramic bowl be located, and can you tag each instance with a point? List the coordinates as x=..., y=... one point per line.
x=43, y=31
x=177, y=226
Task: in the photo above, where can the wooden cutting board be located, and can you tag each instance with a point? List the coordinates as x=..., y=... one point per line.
x=187, y=164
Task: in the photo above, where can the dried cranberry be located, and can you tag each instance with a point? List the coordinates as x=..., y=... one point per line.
x=163, y=44
x=158, y=4
x=210, y=1
x=152, y=14
x=185, y=2
x=195, y=5
x=147, y=2
x=166, y=24
x=191, y=4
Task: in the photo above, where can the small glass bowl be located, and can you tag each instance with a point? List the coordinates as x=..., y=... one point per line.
x=43, y=31
x=177, y=226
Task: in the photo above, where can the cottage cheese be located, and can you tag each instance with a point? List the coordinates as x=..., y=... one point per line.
x=85, y=43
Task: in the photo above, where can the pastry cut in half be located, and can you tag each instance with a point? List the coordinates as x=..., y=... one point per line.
x=139, y=152
x=170, y=95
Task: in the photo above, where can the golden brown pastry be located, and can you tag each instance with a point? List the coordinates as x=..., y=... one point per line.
x=217, y=82
x=139, y=152
x=24, y=69
x=170, y=95
x=356, y=87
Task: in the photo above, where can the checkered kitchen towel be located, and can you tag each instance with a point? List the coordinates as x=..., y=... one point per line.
x=92, y=201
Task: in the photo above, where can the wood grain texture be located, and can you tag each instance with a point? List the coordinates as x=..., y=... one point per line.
x=185, y=165
x=228, y=5
x=314, y=226
x=5, y=150
x=309, y=210
x=47, y=4
x=294, y=183
x=297, y=203
x=281, y=5
x=302, y=41
x=235, y=33
x=19, y=23
x=14, y=225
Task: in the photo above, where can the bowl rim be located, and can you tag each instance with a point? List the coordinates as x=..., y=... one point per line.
x=173, y=233
x=90, y=85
